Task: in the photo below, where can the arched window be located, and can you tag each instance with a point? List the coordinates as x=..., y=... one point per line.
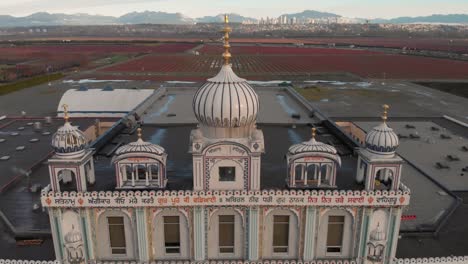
x=281, y=235
x=226, y=235
x=141, y=172
x=325, y=173
x=116, y=231
x=153, y=171
x=384, y=179
x=335, y=234
x=298, y=173
x=312, y=174
x=171, y=235
x=67, y=179
x=128, y=172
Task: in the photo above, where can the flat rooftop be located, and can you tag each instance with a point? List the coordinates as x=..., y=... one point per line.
x=434, y=149
x=276, y=107
x=175, y=139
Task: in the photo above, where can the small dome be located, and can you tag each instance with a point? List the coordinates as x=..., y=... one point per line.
x=226, y=101
x=377, y=234
x=73, y=236
x=140, y=146
x=69, y=141
x=312, y=146
x=382, y=140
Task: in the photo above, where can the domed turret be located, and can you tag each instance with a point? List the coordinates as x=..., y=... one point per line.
x=140, y=165
x=382, y=139
x=69, y=141
x=312, y=164
x=226, y=100
x=314, y=147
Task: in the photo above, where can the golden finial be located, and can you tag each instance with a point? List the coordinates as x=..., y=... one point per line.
x=65, y=112
x=385, y=112
x=139, y=132
x=227, y=30
x=314, y=132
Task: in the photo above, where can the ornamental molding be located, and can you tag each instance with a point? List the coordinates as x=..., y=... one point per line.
x=266, y=198
x=438, y=260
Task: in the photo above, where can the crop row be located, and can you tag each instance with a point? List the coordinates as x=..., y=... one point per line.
x=368, y=66
x=279, y=50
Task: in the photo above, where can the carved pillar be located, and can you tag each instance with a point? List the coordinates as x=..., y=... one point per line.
x=364, y=234
x=142, y=234
x=56, y=229
x=393, y=233
x=253, y=224
x=199, y=233
x=309, y=236
x=198, y=173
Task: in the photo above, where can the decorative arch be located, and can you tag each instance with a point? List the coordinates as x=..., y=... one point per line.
x=68, y=180
x=111, y=222
x=218, y=250
x=291, y=251
x=170, y=242
x=336, y=223
x=384, y=178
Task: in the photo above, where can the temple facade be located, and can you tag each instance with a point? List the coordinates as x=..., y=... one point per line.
x=226, y=215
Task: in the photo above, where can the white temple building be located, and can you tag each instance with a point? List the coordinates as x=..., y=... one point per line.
x=227, y=215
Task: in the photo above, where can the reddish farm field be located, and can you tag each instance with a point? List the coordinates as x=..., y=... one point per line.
x=453, y=45
x=104, y=48
x=364, y=64
x=269, y=50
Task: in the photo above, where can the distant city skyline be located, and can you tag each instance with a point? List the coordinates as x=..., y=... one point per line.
x=256, y=9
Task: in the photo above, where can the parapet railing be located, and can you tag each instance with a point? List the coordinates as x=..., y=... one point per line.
x=437, y=260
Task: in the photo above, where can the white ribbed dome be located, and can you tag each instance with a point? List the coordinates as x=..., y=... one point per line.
x=226, y=101
x=140, y=146
x=377, y=234
x=382, y=140
x=69, y=141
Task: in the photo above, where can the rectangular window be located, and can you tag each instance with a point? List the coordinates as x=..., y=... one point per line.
x=172, y=234
x=117, y=235
x=226, y=234
x=335, y=234
x=280, y=233
x=227, y=174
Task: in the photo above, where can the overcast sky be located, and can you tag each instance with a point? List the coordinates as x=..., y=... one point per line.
x=256, y=8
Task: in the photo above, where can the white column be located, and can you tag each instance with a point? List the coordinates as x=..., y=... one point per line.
x=255, y=173
x=253, y=234
x=309, y=234
x=134, y=173
x=148, y=173
x=92, y=176
x=198, y=176
x=199, y=233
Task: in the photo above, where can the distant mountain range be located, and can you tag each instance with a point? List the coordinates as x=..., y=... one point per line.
x=441, y=19
x=150, y=17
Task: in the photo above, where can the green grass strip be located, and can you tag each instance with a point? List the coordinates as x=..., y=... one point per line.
x=37, y=80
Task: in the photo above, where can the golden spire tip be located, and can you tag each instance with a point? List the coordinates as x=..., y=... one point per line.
x=65, y=112
x=385, y=112
x=314, y=132
x=227, y=30
x=139, y=132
